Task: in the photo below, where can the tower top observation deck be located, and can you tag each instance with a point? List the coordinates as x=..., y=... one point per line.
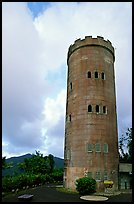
x=90, y=41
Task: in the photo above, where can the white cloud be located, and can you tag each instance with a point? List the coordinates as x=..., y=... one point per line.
x=22, y=79
x=54, y=123
x=34, y=67
x=55, y=108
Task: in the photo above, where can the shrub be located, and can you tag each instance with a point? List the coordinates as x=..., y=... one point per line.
x=7, y=184
x=57, y=175
x=48, y=178
x=86, y=185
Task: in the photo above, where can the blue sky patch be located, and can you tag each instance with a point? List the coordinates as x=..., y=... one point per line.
x=37, y=7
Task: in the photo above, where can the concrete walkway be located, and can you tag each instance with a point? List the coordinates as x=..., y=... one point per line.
x=103, y=196
x=94, y=198
x=113, y=193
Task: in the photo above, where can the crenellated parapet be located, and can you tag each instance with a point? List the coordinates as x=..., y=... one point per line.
x=90, y=41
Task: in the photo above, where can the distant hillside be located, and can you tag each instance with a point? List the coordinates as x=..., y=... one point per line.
x=59, y=163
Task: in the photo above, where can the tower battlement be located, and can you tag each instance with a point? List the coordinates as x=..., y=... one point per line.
x=90, y=41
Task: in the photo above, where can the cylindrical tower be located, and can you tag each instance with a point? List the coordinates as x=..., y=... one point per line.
x=91, y=139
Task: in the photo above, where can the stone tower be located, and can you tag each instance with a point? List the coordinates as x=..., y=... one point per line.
x=91, y=139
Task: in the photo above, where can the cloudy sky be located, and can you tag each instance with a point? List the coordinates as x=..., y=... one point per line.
x=35, y=41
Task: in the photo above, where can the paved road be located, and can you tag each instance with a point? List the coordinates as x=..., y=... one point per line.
x=124, y=197
x=50, y=194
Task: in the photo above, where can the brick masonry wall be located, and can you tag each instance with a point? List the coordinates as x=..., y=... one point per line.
x=94, y=55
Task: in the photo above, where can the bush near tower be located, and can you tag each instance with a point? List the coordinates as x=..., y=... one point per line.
x=86, y=185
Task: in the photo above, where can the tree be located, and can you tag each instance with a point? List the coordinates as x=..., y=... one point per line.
x=129, y=134
x=125, y=146
x=51, y=162
x=38, y=164
x=3, y=162
x=5, y=165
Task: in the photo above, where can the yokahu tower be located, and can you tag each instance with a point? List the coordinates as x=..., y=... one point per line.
x=91, y=138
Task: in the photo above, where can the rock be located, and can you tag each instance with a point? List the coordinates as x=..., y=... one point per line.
x=25, y=197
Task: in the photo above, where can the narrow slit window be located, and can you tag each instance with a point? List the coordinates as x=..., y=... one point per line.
x=89, y=108
x=70, y=118
x=102, y=75
x=68, y=154
x=89, y=147
x=105, y=175
x=105, y=148
x=71, y=86
x=66, y=105
x=97, y=109
x=98, y=175
x=96, y=75
x=89, y=74
x=104, y=109
x=89, y=174
x=98, y=147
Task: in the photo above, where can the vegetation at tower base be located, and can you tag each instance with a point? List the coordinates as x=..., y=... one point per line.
x=125, y=142
x=86, y=185
x=37, y=170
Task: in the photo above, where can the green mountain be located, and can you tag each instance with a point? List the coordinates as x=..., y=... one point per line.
x=59, y=163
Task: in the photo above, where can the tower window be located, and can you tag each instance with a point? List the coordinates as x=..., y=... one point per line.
x=90, y=108
x=89, y=147
x=104, y=109
x=105, y=175
x=89, y=74
x=71, y=86
x=98, y=147
x=97, y=109
x=68, y=154
x=102, y=75
x=98, y=175
x=96, y=75
x=70, y=118
x=105, y=148
x=89, y=174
